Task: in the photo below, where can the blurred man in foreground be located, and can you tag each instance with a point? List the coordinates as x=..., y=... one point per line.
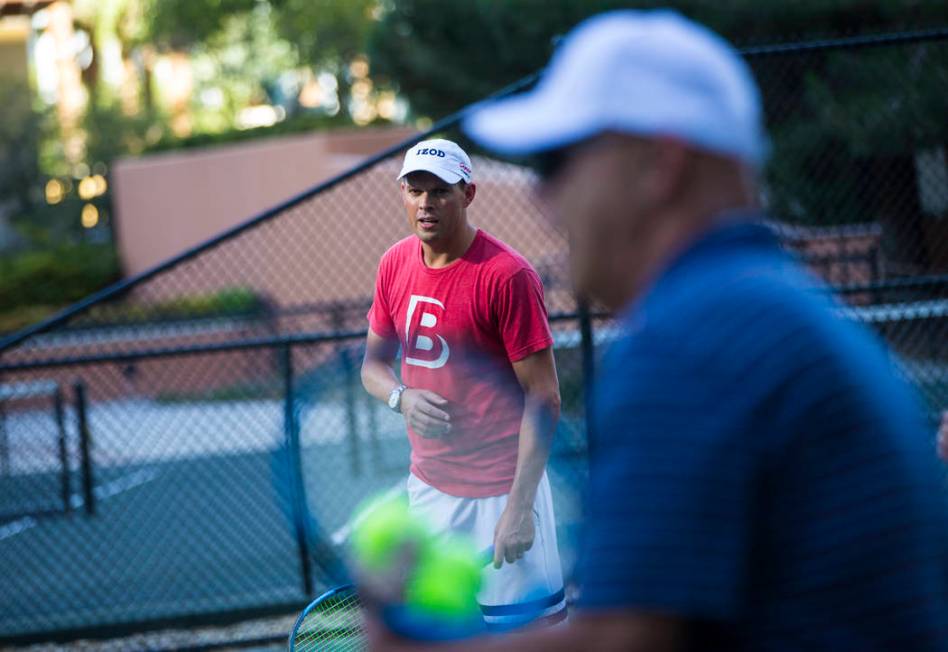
x=760, y=478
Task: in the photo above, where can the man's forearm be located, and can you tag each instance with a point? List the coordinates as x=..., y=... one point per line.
x=536, y=437
x=379, y=379
x=545, y=640
x=617, y=630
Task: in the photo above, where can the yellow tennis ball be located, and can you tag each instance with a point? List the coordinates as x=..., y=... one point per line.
x=383, y=528
x=446, y=581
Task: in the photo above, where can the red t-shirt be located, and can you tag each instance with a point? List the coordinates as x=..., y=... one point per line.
x=460, y=328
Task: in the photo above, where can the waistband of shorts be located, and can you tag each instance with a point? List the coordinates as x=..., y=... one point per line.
x=465, y=489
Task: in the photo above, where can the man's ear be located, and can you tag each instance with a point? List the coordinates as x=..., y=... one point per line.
x=470, y=190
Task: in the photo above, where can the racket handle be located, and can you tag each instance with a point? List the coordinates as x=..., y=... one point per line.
x=487, y=555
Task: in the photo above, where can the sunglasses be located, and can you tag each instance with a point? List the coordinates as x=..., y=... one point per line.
x=550, y=163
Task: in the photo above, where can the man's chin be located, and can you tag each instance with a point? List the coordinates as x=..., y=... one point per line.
x=426, y=236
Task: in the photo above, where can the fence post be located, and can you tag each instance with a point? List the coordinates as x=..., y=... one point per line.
x=351, y=392
x=372, y=415
x=85, y=447
x=875, y=277
x=351, y=418
x=4, y=442
x=63, y=451
x=587, y=347
x=291, y=435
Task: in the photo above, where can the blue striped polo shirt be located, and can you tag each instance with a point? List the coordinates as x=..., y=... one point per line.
x=759, y=469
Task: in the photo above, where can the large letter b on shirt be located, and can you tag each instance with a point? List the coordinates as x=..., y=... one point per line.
x=419, y=334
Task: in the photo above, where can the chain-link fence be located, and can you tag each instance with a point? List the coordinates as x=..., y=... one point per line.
x=190, y=444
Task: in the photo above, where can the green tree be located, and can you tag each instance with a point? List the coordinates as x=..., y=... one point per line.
x=19, y=146
x=445, y=54
x=328, y=34
x=240, y=62
x=246, y=41
x=848, y=137
x=180, y=24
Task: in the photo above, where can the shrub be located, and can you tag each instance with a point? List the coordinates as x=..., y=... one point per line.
x=34, y=283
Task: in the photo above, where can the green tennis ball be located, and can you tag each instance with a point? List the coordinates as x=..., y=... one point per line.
x=446, y=581
x=383, y=528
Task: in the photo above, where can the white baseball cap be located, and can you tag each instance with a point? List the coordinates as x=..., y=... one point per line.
x=440, y=157
x=649, y=73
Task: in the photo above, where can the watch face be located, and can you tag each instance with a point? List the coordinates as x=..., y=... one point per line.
x=393, y=398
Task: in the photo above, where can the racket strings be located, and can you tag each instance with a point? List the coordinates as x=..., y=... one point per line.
x=334, y=624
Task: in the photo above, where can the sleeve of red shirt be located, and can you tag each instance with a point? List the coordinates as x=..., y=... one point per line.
x=380, y=316
x=521, y=315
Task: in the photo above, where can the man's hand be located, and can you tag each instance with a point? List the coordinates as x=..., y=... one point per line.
x=425, y=412
x=513, y=535
x=943, y=437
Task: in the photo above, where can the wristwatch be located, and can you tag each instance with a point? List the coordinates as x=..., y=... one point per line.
x=395, y=398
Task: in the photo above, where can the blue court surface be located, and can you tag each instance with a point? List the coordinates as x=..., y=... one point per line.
x=192, y=512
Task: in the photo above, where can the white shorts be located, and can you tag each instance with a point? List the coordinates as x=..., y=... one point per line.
x=529, y=589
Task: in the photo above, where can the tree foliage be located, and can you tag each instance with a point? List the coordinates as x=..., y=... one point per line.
x=19, y=143
x=845, y=124
x=50, y=278
x=327, y=33
x=180, y=24
x=443, y=55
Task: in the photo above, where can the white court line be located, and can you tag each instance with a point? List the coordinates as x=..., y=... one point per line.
x=339, y=536
x=15, y=527
x=117, y=486
x=102, y=492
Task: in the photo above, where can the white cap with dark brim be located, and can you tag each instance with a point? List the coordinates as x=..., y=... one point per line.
x=442, y=158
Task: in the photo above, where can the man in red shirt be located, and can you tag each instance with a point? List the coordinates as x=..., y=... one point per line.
x=478, y=387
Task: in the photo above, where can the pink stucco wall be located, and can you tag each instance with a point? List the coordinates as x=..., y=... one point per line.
x=164, y=203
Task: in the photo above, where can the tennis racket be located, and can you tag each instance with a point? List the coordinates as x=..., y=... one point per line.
x=333, y=621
